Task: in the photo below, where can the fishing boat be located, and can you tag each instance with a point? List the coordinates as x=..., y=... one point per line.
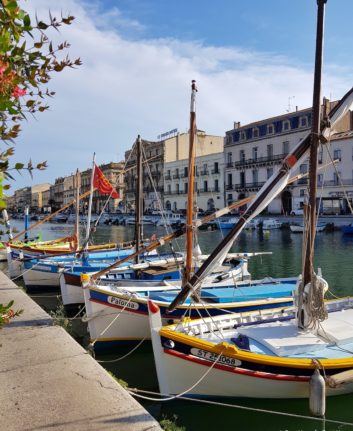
x=347, y=229
x=117, y=313
x=299, y=228
x=303, y=352
x=269, y=224
x=227, y=224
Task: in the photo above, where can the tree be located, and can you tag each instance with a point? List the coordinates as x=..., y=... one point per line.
x=27, y=61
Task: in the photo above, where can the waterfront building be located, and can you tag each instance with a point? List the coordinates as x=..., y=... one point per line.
x=113, y=171
x=37, y=197
x=23, y=198
x=153, y=163
x=57, y=194
x=46, y=208
x=252, y=152
x=209, y=171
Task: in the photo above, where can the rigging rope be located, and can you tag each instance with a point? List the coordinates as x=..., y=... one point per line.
x=136, y=393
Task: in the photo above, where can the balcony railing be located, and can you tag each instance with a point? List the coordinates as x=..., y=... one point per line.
x=176, y=176
x=229, y=186
x=168, y=177
x=274, y=158
x=215, y=171
x=204, y=172
x=248, y=186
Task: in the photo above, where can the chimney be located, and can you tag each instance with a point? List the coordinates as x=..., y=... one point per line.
x=236, y=124
x=296, y=108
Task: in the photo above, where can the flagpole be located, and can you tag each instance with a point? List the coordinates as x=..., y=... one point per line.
x=88, y=227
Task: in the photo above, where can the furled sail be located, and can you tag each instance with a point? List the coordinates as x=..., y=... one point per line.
x=275, y=184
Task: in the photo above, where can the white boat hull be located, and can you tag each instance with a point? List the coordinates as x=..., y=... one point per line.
x=224, y=381
x=35, y=278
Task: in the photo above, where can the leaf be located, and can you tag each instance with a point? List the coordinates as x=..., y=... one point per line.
x=42, y=25
x=27, y=21
x=19, y=166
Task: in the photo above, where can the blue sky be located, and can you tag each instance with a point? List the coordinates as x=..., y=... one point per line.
x=250, y=59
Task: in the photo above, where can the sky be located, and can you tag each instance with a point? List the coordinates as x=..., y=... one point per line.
x=251, y=60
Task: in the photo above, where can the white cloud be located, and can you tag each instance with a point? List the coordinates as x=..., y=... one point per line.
x=127, y=87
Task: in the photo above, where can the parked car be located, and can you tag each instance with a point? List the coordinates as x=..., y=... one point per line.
x=298, y=211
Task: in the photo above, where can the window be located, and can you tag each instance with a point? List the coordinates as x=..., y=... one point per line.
x=337, y=155
x=242, y=136
x=286, y=125
x=336, y=178
x=320, y=155
x=185, y=187
x=242, y=179
x=216, y=168
x=255, y=133
x=185, y=171
x=216, y=186
x=254, y=153
x=205, y=186
x=285, y=147
x=270, y=129
x=303, y=122
x=168, y=173
x=169, y=189
x=230, y=180
x=303, y=169
x=269, y=172
x=157, y=152
x=229, y=159
x=320, y=178
x=177, y=172
x=302, y=192
x=269, y=150
x=229, y=198
x=255, y=175
x=177, y=188
x=242, y=155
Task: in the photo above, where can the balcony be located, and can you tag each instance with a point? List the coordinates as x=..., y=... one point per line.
x=176, y=177
x=168, y=177
x=230, y=165
x=248, y=186
x=204, y=172
x=229, y=186
x=260, y=161
x=303, y=181
x=215, y=171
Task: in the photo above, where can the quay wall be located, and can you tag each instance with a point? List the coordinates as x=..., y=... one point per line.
x=49, y=382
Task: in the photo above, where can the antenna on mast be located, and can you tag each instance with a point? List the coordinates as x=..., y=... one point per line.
x=289, y=103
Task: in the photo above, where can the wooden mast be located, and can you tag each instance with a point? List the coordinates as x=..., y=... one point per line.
x=191, y=181
x=77, y=208
x=139, y=204
x=308, y=270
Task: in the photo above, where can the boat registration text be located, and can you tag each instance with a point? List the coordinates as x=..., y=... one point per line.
x=210, y=356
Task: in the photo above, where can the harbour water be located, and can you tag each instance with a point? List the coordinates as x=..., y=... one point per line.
x=334, y=255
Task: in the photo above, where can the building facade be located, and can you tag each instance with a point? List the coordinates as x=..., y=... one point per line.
x=23, y=199
x=152, y=176
x=254, y=151
x=114, y=173
x=37, y=197
x=209, y=172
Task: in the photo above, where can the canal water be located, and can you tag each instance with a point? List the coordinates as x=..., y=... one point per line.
x=334, y=255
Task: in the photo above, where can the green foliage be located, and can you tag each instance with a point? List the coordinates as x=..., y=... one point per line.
x=170, y=424
x=7, y=313
x=121, y=382
x=60, y=318
x=27, y=61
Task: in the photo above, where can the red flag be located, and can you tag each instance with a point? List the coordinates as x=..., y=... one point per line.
x=102, y=184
